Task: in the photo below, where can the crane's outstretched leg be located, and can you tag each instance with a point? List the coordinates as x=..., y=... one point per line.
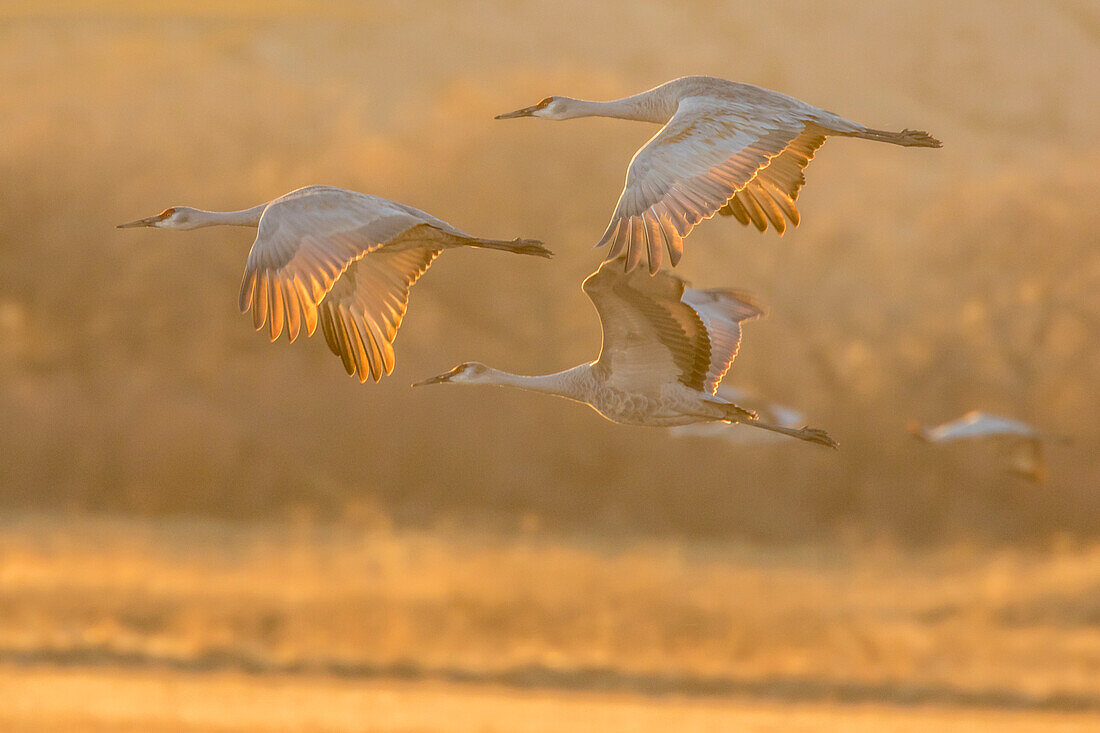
x=906, y=138
x=736, y=413
x=518, y=246
x=813, y=435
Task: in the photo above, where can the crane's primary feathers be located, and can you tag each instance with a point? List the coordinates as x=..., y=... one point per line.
x=340, y=258
x=725, y=148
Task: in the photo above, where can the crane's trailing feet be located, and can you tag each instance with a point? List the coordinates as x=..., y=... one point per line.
x=665, y=350
x=906, y=138
x=726, y=148
x=341, y=259
x=517, y=246
x=737, y=414
x=345, y=261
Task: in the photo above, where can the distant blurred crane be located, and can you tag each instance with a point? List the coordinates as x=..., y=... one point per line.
x=781, y=415
x=1024, y=441
x=728, y=148
x=343, y=258
x=665, y=350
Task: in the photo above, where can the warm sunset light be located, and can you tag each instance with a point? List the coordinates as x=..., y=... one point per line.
x=824, y=302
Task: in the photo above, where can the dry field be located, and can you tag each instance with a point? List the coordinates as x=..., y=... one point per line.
x=317, y=624
x=165, y=702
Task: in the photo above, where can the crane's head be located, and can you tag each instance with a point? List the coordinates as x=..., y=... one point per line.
x=470, y=372
x=175, y=217
x=550, y=108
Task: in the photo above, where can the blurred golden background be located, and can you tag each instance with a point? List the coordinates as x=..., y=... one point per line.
x=192, y=517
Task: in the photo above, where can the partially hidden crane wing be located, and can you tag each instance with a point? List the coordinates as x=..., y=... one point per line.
x=708, y=152
x=653, y=335
x=649, y=336
x=722, y=313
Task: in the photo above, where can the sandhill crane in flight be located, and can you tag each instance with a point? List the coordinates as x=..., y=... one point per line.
x=338, y=257
x=737, y=434
x=725, y=148
x=665, y=350
x=1024, y=441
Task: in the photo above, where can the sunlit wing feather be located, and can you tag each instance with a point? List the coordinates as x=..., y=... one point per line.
x=362, y=312
x=770, y=195
x=687, y=172
x=307, y=239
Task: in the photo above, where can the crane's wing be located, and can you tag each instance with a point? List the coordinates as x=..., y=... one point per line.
x=781, y=415
x=652, y=335
x=696, y=163
x=363, y=310
x=787, y=417
x=1025, y=458
x=722, y=312
x=306, y=241
x=980, y=425
x=770, y=195
x=739, y=434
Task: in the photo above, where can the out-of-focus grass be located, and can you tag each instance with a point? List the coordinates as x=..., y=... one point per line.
x=1009, y=628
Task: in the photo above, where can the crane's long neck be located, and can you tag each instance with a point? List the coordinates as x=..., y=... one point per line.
x=572, y=383
x=242, y=218
x=644, y=107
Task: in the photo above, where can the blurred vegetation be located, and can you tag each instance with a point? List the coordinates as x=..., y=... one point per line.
x=921, y=284
x=1010, y=628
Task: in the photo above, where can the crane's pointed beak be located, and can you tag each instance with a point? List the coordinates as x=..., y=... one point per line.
x=440, y=379
x=525, y=112
x=147, y=222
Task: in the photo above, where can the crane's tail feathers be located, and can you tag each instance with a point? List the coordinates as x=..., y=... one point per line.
x=907, y=138
x=518, y=246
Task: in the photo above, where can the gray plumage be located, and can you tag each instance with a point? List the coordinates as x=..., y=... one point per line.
x=338, y=258
x=665, y=350
x=726, y=148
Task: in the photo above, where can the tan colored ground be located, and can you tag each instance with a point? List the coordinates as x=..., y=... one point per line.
x=152, y=702
x=315, y=624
